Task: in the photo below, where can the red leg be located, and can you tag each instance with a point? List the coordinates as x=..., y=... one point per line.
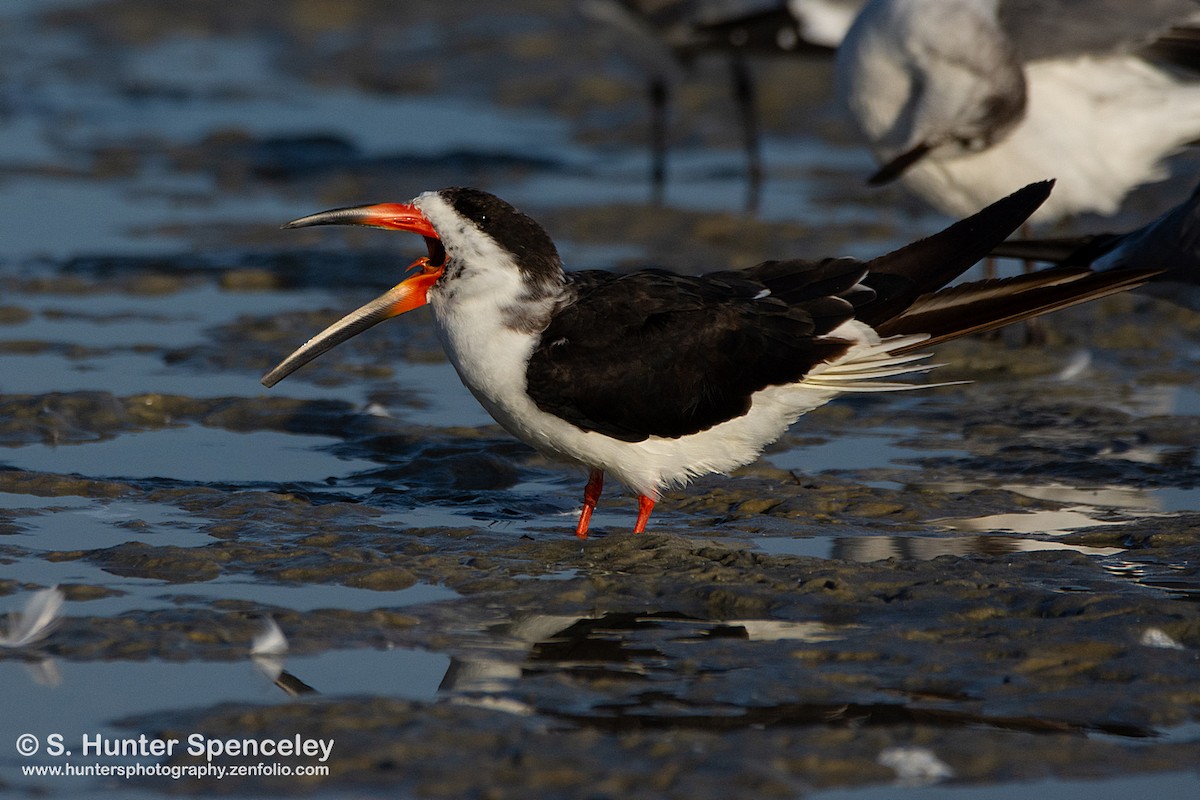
x=591, y=496
x=645, y=506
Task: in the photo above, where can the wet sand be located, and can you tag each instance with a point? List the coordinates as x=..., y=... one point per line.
x=999, y=578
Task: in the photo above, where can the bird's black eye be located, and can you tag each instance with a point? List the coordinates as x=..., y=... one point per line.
x=437, y=253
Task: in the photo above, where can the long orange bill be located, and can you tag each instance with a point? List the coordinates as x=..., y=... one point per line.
x=404, y=296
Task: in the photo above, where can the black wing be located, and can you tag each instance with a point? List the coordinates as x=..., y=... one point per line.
x=652, y=353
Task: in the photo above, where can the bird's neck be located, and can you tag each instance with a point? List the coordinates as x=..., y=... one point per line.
x=490, y=317
x=488, y=337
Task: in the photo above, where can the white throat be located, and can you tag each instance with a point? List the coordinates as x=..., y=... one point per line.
x=487, y=314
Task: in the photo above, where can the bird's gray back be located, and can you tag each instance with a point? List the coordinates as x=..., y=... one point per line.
x=1060, y=28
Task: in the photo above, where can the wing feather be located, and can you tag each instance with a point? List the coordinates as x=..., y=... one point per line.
x=656, y=354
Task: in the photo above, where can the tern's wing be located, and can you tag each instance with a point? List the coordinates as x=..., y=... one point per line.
x=657, y=354
x=1060, y=28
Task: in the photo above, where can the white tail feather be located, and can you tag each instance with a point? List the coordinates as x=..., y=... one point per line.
x=857, y=365
x=861, y=369
x=882, y=386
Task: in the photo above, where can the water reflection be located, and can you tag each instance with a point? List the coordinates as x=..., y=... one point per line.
x=1047, y=523
x=617, y=646
x=601, y=644
x=632, y=662
x=1084, y=508
x=876, y=448
x=267, y=652
x=1180, y=579
x=34, y=622
x=214, y=455
x=1098, y=497
x=1001, y=533
x=880, y=548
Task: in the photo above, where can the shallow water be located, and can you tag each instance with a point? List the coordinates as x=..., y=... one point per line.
x=1002, y=576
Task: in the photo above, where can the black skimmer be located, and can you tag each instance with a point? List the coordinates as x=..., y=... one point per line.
x=966, y=100
x=657, y=378
x=1171, y=243
x=665, y=37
